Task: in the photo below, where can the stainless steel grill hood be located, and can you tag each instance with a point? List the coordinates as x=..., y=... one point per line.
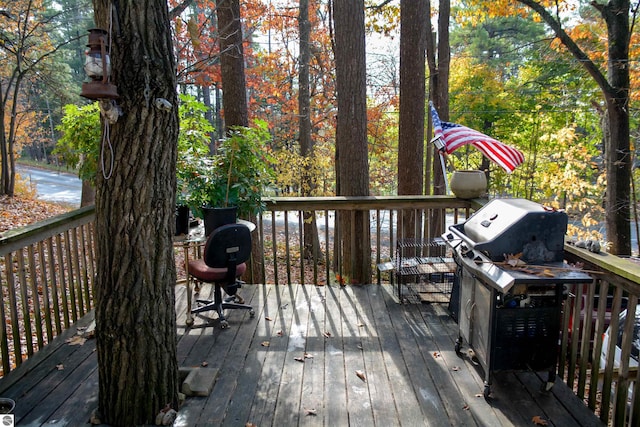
x=512, y=226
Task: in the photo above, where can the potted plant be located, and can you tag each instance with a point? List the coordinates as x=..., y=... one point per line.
x=235, y=178
x=193, y=143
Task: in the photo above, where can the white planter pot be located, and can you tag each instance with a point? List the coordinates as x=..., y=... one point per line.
x=468, y=184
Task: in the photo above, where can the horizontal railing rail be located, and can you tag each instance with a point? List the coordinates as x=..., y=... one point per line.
x=47, y=276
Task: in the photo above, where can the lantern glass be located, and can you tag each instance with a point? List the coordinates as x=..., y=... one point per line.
x=94, y=66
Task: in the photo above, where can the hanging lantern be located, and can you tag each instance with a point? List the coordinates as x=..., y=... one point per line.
x=98, y=68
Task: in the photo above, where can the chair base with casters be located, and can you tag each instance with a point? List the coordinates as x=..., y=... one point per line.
x=226, y=250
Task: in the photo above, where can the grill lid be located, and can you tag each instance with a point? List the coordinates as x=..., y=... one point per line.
x=512, y=226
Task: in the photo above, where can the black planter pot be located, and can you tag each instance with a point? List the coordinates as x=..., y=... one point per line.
x=182, y=220
x=216, y=217
x=7, y=405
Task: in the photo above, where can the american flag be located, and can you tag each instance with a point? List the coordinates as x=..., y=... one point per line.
x=455, y=136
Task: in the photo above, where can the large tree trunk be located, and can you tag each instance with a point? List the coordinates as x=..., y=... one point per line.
x=135, y=222
x=88, y=194
x=618, y=153
x=438, y=58
x=414, y=22
x=311, y=243
x=352, y=163
x=234, y=96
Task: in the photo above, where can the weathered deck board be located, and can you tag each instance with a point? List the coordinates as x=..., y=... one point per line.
x=413, y=376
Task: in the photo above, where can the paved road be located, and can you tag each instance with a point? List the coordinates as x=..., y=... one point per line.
x=53, y=186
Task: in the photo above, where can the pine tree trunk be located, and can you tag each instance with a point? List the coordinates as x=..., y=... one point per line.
x=352, y=163
x=234, y=96
x=413, y=28
x=438, y=56
x=311, y=242
x=135, y=204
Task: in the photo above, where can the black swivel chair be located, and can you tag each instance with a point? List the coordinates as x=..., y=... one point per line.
x=225, y=254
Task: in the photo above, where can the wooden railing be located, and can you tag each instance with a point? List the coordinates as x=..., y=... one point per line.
x=46, y=275
x=281, y=229
x=47, y=271
x=603, y=376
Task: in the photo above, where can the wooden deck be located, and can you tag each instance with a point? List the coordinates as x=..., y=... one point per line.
x=405, y=351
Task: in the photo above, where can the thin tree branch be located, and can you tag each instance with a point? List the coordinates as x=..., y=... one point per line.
x=571, y=45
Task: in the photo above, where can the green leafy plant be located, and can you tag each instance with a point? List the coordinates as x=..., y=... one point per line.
x=193, y=144
x=237, y=175
x=79, y=145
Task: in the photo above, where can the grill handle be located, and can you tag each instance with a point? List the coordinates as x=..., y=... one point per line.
x=456, y=230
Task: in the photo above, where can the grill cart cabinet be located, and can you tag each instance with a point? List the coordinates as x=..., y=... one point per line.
x=517, y=330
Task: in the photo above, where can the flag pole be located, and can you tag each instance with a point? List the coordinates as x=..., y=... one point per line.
x=439, y=144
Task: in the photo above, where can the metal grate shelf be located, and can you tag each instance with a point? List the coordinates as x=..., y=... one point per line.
x=424, y=270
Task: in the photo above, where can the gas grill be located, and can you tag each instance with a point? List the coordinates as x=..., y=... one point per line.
x=510, y=316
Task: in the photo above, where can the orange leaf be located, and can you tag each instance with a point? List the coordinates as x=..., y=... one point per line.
x=537, y=420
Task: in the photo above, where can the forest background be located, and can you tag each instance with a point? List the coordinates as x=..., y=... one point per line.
x=509, y=79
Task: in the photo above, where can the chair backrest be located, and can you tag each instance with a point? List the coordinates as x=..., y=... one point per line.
x=229, y=243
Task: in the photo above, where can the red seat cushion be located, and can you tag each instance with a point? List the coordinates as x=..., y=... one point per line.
x=204, y=273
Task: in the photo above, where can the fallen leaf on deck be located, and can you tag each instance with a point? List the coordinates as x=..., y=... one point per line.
x=279, y=333
x=265, y=343
x=250, y=425
x=308, y=356
x=204, y=364
x=455, y=368
x=479, y=395
x=361, y=325
x=60, y=367
x=299, y=359
x=361, y=375
x=465, y=407
x=268, y=319
x=311, y=411
x=537, y=420
x=76, y=340
x=327, y=334
x=436, y=354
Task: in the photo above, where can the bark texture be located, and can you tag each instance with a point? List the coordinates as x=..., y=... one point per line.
x=352, y=163
x=135, y=220
x=414, y=20
x=234, y=96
